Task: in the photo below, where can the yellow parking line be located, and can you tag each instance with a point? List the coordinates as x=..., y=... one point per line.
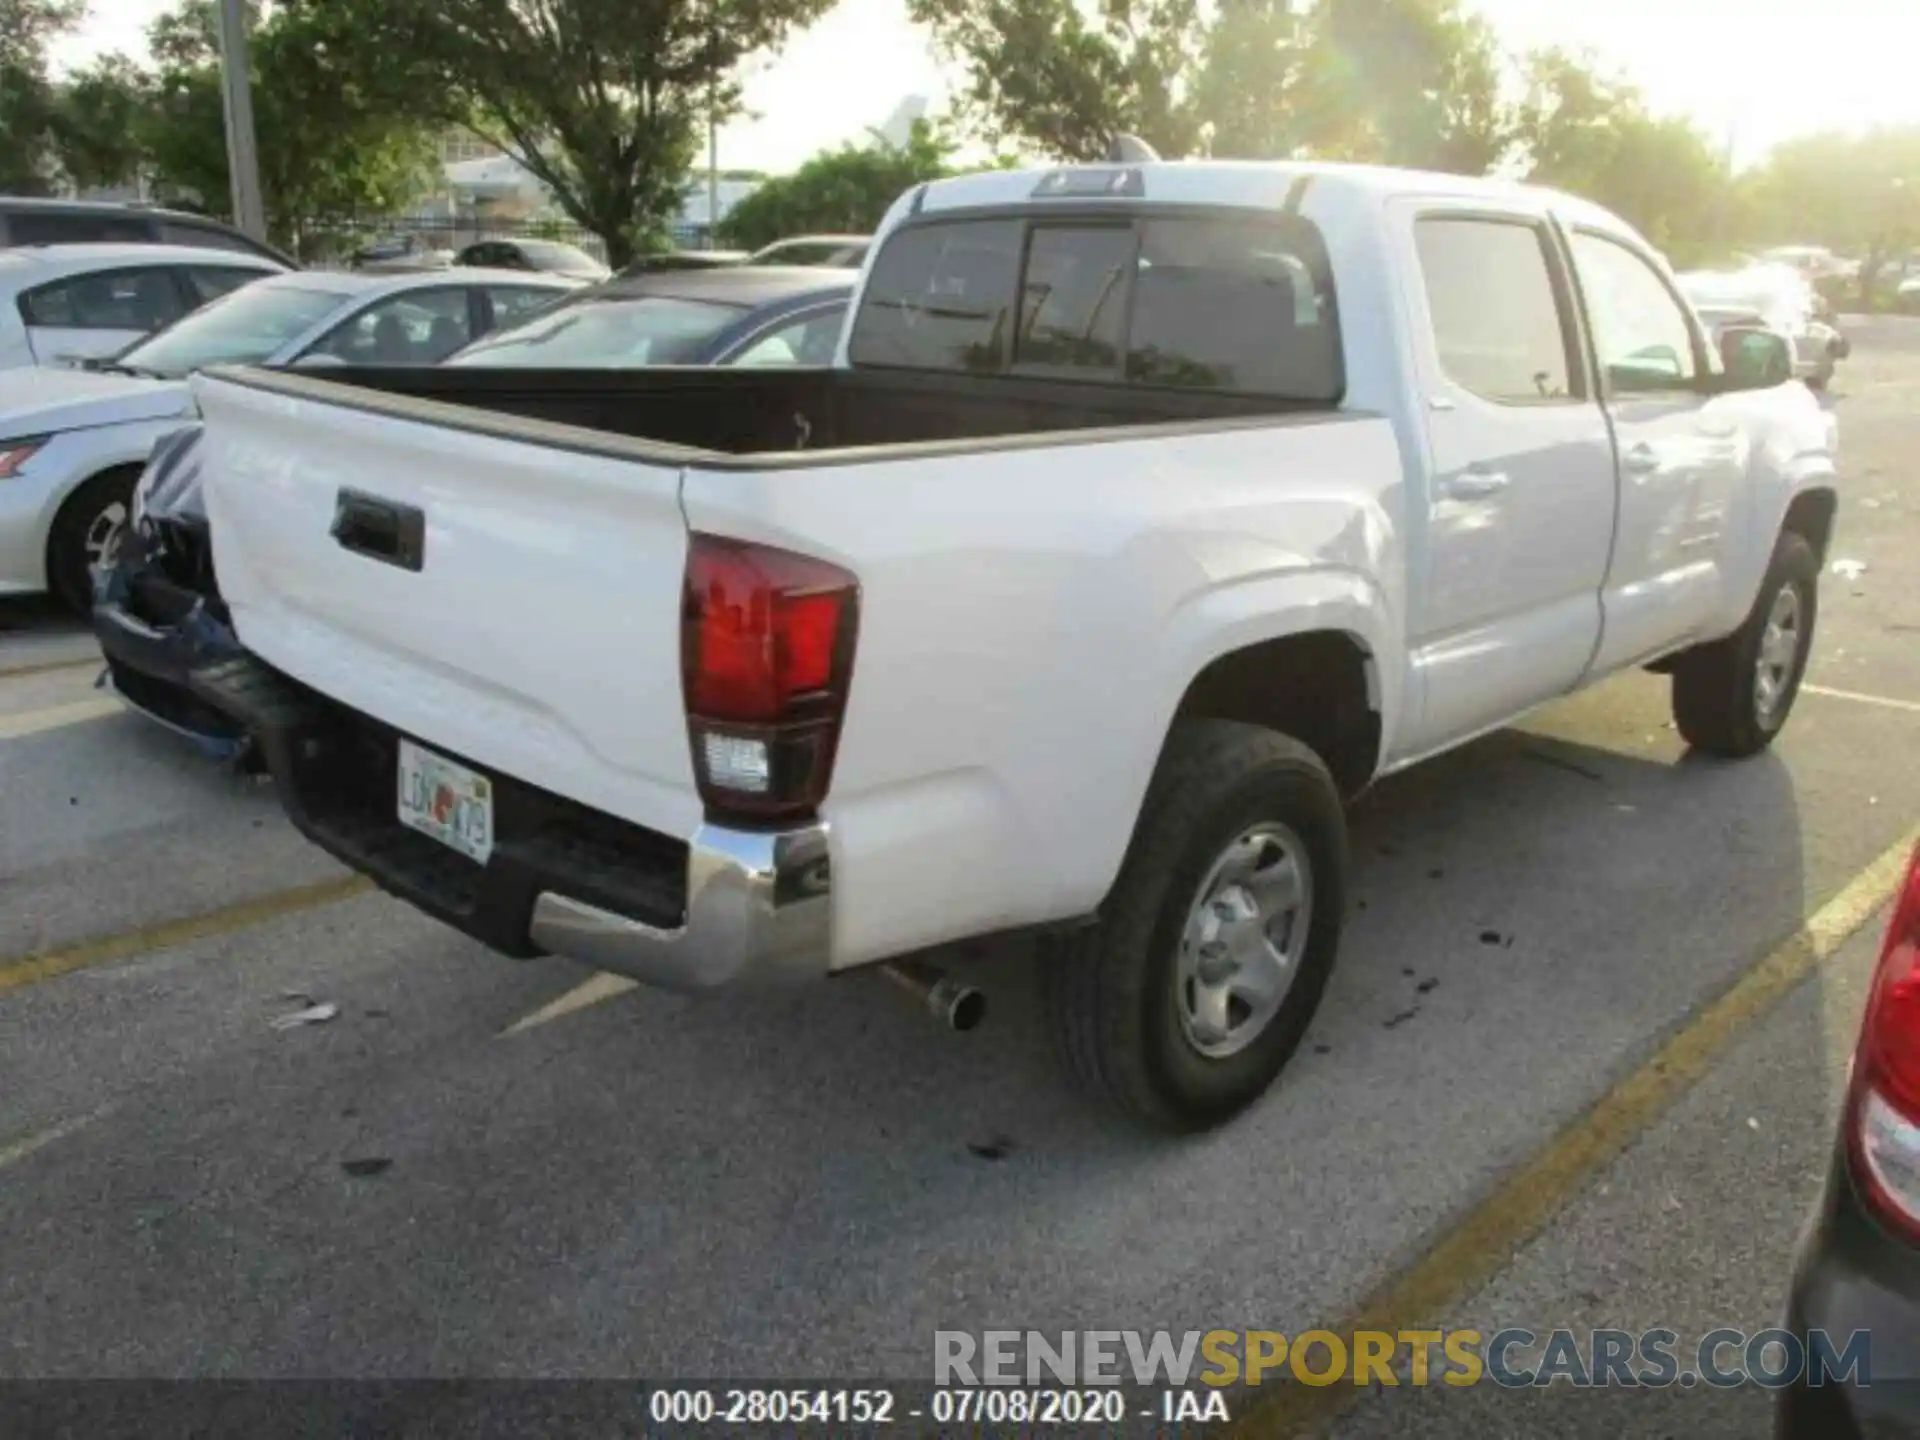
x=31, y=969
x=20, y=1149
x=1885, y=700
x=598, y=987
x=48, y=667
x=1482, y=1243
x=33, y=722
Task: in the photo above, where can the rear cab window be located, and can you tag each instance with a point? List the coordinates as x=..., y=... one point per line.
x=1239, y=302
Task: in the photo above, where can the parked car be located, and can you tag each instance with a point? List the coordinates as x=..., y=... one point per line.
x=845, y=252
x=159, y=614
x=683, y=260
x=61, y=305
x=1781, y=299
x=72, y=443
x=28, y=220
x=1076, y=597
x=741, y=316
x=1857, y=1267
x=548, y=256
x=392, y=254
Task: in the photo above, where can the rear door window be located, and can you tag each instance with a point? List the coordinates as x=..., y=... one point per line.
x=1498, y=321
x=1208, y=302
x=76, y=227
x=135, y=299
x=205, y=237
x=210, y=282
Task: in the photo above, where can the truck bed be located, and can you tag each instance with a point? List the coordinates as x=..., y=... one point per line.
x=769, y=414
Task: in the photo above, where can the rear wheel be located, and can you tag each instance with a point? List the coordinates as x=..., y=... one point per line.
x=1183, y=1004
x=86, y=535
x=1732, y=697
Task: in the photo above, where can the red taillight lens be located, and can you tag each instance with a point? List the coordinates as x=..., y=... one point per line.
x=1883, y=1111
x=766, y=654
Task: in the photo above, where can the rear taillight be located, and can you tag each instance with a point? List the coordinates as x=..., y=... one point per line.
x=766, y=652
x=1883, y=1107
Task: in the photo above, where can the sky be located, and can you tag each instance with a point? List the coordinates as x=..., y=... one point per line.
x=1751, y=72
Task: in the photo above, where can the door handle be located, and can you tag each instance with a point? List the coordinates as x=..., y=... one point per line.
x=380, y=529
x=1476, y=484
x=1641, y=459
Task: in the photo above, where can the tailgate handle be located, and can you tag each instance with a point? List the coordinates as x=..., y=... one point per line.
x=380, y=529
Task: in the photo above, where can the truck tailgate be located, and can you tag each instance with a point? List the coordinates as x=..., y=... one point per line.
x=509, y=594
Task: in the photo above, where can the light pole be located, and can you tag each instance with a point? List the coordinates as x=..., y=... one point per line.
x=713, y=162
x=236, y=91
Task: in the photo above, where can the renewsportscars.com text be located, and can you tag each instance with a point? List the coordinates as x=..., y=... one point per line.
x=1512, y=1358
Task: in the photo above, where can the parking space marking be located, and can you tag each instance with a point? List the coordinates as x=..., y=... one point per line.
x=1856, y=695
x=32, y=969
x=1481, y=1243
x=602, y=985
x=20, y=1149
x=49, y=667
x=55, y=717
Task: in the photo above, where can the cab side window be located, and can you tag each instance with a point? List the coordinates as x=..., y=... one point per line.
x=1640, y=330
x=1497, y=321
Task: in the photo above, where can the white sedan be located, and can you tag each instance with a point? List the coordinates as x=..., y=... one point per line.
x=1777, y=297
x=72, y=442
x=60, y=304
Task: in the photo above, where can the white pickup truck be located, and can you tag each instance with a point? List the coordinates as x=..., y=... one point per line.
x=1148, y=512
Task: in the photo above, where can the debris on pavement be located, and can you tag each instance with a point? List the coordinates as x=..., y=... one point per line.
x=998, y=1148
x=1849, y=569
x=312, y=1015
x=370, y=1165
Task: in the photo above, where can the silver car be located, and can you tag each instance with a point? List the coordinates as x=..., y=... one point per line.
x=73, y=442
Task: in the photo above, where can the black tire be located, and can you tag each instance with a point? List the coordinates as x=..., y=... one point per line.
x=69, y=558
x=1113, y=988
x=1715, y=692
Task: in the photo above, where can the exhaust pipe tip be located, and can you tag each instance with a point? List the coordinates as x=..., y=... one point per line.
x=954, y=1003
x=959, y=1007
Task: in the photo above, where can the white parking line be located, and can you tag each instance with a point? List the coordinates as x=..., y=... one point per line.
x=1888, y=701
x=77, y=712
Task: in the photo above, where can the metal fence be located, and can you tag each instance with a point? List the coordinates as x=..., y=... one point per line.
x=334, y=242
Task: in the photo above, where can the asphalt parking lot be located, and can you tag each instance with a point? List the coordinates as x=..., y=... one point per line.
x=481, y=1168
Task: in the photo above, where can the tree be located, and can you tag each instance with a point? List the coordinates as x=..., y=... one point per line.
x=98, y=122
x=1859, y=194
x=846, y=190
x=328, y=143
x=1583, y=130
x=603, y=100
x=1402, y=82
x=26, y=93
x=1246, y=87
x=1044, y=74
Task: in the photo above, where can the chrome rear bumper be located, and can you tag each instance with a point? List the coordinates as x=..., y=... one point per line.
x=759, y=912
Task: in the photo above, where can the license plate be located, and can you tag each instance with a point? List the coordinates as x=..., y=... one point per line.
x=447, y=801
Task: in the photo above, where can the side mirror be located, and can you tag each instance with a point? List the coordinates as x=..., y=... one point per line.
x=319, y=360
x=1755, y=358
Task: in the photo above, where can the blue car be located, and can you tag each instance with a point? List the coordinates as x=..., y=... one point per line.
x=157, y=611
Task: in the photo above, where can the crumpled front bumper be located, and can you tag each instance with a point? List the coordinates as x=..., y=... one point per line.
x=725, y=908
x=154, y=632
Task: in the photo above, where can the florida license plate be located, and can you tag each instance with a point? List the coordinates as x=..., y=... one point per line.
x=447, y=801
